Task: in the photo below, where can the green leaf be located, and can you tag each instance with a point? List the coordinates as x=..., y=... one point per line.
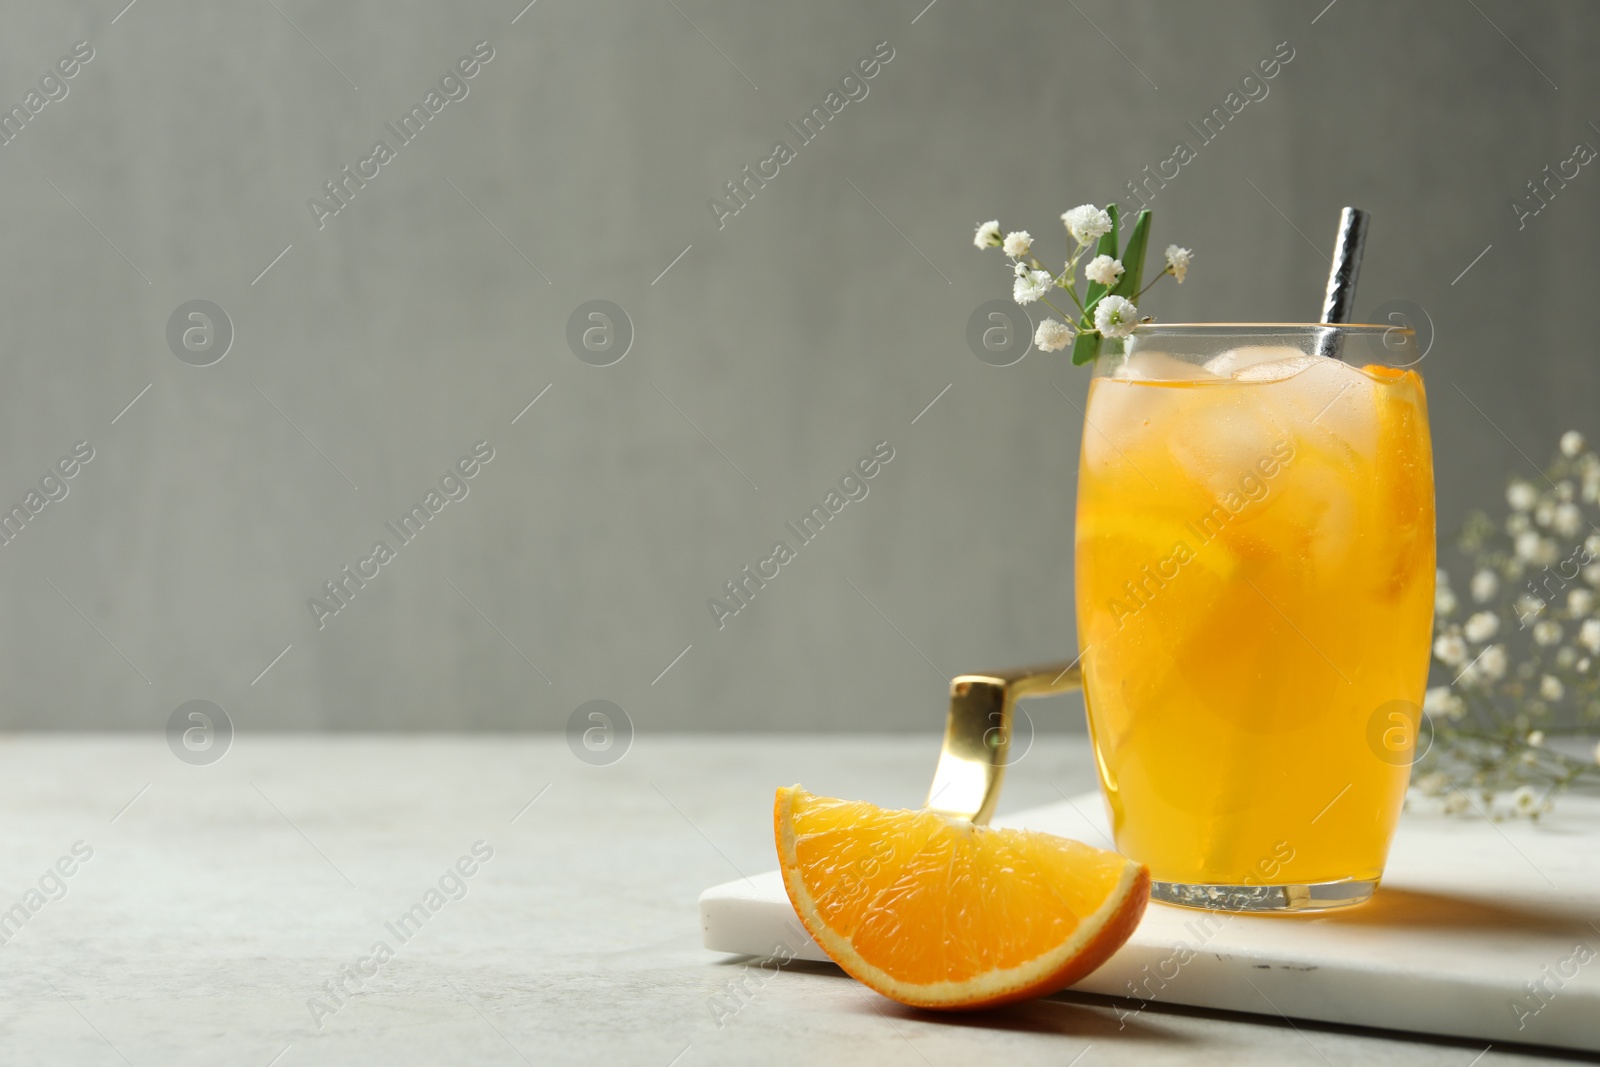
x=1133, y=258
x=1087, y=345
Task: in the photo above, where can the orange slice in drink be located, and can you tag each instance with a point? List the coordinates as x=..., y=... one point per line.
x=938, y=913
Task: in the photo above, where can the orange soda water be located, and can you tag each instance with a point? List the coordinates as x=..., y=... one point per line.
x=1255, y=583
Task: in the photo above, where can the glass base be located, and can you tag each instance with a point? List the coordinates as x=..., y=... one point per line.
x=1267, y=899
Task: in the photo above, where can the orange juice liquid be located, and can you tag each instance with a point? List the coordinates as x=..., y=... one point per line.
x=1255, y=582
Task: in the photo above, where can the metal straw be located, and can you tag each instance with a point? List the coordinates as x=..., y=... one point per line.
x=1339, y=301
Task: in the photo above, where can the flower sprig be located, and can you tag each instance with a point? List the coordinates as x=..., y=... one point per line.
x=1514, y=723
x=1107, y=308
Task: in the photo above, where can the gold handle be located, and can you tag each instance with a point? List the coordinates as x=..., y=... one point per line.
x=977, y=734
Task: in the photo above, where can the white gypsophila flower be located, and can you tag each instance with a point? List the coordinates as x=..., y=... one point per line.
x=1521, y=495
x=1115, y=316
x=1493, y=662
x=1550, y=688
x=1017, y=243
x=1589, y=635
x=1571, y=443
x=988, y=235
x=1564, y=489
x=1597, y=752
x=1591, y=545
x=1591, y=574
x=1455, y=803
x=1591, y=487
x=1524, y=801
x=1178, y=261
x=1485, y=584
x=1518, y=522
x=1052, y=335
x=1450, y=650
x=1566, y=656
x=1441, y=700
x=1568, y=520
x=1030, y=285
x=1086, y=222
x=1547, y=633
x=1545, y=513
x=1527, y=546
x=1103, y=269
x=1444, y=600
x=1580, y=602
x=1583, y=665
x=1481, y=627
x=1528, y=607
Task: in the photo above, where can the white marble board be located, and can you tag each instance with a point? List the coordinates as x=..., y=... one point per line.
x=1485, y=930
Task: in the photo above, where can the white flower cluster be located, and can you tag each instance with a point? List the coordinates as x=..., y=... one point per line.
x=1523, y=665
x=1030, y=284
x=1115, y=316
x=1086, y=223
x=1052, y=335
x=1103, y=269
x=1525, y=801
x=1110, y=315
x=1178, y=262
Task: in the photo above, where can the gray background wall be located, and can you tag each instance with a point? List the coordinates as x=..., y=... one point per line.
x=823, y=318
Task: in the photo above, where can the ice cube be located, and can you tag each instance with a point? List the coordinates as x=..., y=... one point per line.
x=1160, y=367
x=1276, y=370
x=1224, y=432
x=1127, y=416
x=1330, y=400
x=1234, y=360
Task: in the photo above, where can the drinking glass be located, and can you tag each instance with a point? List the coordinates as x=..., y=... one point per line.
x=1255, y=587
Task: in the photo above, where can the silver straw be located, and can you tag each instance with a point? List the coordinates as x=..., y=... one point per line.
x=1339, y=301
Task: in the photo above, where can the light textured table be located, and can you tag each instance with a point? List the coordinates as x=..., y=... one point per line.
x=220, y=901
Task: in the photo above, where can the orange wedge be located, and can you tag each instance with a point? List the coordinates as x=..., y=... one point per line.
x=938, y=913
